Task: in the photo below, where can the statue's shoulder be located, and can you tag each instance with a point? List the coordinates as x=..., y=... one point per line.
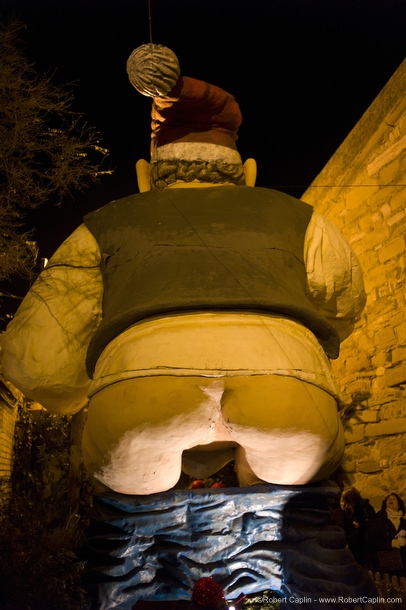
x=124, y=205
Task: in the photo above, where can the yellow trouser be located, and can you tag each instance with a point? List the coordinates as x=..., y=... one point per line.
x=278, y=429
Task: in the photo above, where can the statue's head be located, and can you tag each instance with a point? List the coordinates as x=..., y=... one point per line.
x=194, y=126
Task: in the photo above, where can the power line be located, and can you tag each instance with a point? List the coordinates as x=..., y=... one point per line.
x=320, y=186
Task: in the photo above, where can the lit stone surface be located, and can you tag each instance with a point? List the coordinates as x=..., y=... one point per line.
x=368, y=204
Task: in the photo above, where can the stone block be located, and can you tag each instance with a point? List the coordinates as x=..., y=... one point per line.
x=400, y=331
x=368, y=416
x=368, y=466
x=376, y=277
x=386, y=447
x=396, y=375
x=377, y=307
x=379, y=361
x=386, y=209
x=390, y=395
x=358, y=362
x=396, y=218
x=354, y=433
x=398, y=317
x=352, y=385
x=388, y=173
x=401, y=296
x=361, y=450
x=368, y=260
x=399, y=354
x=360, y=340
x=352, y=217
x=386, y=427
x=383, y=291
x=376, y=235
x=392, y=250
x=384, y=337
x=379, y=384
x=393, y=410
x=397, y=199
x=355, y=237
x=354, y=198
x=381, y=197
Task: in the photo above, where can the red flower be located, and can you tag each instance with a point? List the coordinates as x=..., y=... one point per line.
x=197, y=484
x=208, y=594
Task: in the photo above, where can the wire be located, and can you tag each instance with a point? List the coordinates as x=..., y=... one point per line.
x=323, y=186
x=150, y=21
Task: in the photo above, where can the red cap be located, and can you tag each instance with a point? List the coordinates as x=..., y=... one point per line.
x=198, y=113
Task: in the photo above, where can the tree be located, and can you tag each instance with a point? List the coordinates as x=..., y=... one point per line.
x=40, y=530
x=46, y=149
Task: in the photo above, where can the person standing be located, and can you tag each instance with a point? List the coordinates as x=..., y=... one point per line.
x=353, y=516
x=387, y=537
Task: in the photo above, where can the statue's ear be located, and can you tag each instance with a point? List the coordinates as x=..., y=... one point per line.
x=250, y=172
x=143, y=177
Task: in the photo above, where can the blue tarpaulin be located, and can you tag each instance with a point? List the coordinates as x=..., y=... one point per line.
x=248, y=539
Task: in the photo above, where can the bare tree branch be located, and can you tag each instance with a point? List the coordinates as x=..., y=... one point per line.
x=47, y=151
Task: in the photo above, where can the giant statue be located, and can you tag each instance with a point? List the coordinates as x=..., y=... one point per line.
x=197, y=318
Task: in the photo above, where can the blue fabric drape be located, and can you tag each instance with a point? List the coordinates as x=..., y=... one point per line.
x=248, y=539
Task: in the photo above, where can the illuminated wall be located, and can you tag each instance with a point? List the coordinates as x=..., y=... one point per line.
x=363, y=190
x=9, y=400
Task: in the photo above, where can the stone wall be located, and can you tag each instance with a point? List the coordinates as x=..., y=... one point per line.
x=9, y=401
x=363, y=190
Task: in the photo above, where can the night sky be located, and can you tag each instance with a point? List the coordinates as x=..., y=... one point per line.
x=303, y=72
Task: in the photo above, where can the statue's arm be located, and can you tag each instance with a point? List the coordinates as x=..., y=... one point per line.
x=44, y=348
x=334, y=275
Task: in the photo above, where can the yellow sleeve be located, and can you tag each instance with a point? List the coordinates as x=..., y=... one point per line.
x=334, y=275
x=43, y=350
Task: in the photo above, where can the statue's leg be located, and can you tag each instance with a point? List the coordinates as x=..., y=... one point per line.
x=137, y=430
x=288, y=431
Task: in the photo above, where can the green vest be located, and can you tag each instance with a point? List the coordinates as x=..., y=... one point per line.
x=209, y=249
